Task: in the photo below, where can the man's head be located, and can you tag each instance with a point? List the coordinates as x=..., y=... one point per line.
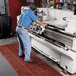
x=33, y=6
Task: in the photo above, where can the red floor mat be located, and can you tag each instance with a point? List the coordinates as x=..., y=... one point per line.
x=37, y=68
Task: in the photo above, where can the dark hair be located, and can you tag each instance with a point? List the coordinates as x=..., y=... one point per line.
x=33, y=6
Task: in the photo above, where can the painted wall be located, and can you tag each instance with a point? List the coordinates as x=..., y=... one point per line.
x=14, y=9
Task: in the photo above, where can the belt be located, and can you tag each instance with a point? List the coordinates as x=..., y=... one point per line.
x=23, y=27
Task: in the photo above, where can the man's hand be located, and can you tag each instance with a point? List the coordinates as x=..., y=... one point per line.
x=30, y=30
x=44, y=24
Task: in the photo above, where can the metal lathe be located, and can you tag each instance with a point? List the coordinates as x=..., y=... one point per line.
x=57, y=40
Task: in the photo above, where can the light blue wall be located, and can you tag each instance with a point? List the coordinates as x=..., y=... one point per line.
x=2, y=7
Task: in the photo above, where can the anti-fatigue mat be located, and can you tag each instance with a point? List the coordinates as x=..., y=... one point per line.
x=37, y=68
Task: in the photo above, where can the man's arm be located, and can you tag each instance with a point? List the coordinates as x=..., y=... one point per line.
x=41, y=23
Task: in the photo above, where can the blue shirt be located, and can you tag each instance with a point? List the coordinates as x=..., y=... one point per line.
x=27, y=18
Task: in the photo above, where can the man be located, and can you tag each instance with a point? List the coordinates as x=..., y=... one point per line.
x=22, y=31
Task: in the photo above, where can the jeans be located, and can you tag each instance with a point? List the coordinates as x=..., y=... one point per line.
x=24, y=42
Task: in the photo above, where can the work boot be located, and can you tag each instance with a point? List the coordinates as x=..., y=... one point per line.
x=29, y=61
x=21, y=55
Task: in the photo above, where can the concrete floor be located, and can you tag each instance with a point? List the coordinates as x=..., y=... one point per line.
x=13, y=39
